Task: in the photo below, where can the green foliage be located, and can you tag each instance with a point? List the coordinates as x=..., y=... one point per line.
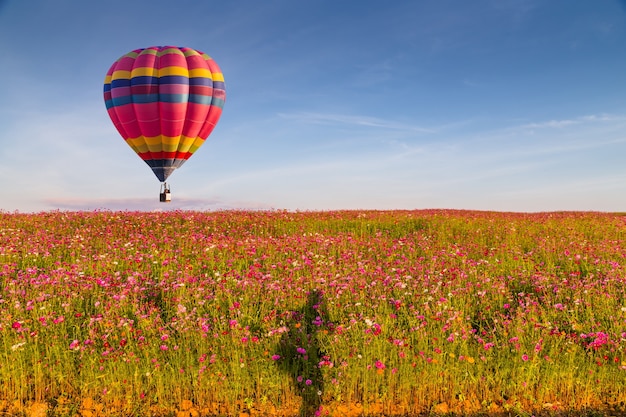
x=391, y=311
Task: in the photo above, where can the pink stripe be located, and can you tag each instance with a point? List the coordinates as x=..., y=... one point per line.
x=172, y=60
x=128, y=120
x=145, y=60
x=125, y=64
x=173, y=118
x=209, y=125
x=196, y=61
x=195, y=118
x=173, y=89
x=148, y=118
x=120, y=92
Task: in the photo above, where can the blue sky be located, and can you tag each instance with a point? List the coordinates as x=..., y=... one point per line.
x=507, y=105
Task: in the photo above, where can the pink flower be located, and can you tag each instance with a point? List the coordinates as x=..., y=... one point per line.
x=275, y=357
x=525, y=357
x=380, y=365
x=74, y=345
x=16, y=325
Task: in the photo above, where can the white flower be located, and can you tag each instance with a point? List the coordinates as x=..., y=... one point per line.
x=17, y=346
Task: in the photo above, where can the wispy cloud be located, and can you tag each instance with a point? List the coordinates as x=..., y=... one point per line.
x=556, y=124
x=350, y=120
x=149, y=204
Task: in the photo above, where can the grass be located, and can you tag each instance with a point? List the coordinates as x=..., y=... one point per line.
x=362, y=312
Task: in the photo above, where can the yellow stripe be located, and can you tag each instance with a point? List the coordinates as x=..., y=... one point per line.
x=138, y=144
x=173, y=50
x=155, y=144
x=160, y=143
x=170, y=144
x=147, y=51
x=154, y=140
x=120, y=74
x=218, y=76
x=144, y=71
x=173, y=71
x=107, y=79
x=185, y=143
x=196, y=144
x=200, y=72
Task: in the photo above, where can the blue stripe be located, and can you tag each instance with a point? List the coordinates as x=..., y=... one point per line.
x=169, y=79
x=200, y=99
x=165, y=163
x=218, y=102
x=219, y=85
x=120, y=101
x=107, y=87
x=174, y=98
x=120, y=82
x=174, y=79
x=144, y=98
x=150, y=98
x=143, y=80
x=201, y=81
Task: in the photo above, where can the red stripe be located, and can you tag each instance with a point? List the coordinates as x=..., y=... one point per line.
x=144, y=89
x=147, y=156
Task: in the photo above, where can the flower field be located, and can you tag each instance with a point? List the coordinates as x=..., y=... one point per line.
x=331, y=313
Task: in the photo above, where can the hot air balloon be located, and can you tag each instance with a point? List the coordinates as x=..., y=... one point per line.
x=164, y=101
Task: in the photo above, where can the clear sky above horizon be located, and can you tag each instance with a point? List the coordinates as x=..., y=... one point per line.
x=506, y=105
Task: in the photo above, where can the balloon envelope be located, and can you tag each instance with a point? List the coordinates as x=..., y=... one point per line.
x=164, y=101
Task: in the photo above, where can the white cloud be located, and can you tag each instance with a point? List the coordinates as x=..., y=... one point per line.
x=148, y=204
x=364, y=121
x=557, y=124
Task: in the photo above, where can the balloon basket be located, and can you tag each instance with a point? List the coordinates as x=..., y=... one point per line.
x=165, y=196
